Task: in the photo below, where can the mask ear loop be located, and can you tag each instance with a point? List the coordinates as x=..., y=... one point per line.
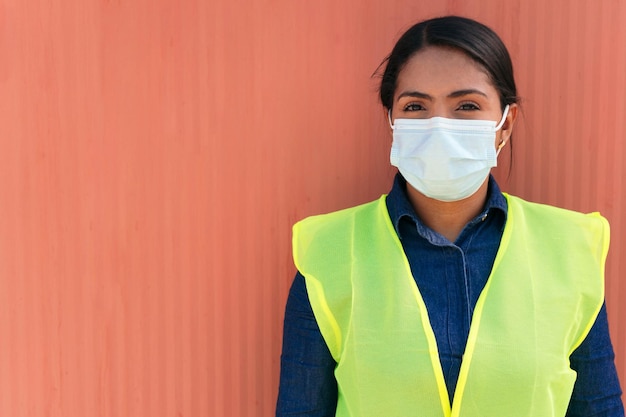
x=389, y=119
x=499, y=126
x=504, y=114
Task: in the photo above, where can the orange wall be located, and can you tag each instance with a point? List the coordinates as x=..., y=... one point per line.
x=155, y=154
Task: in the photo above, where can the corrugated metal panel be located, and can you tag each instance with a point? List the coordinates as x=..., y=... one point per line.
x=570, y=152
x=155, y=154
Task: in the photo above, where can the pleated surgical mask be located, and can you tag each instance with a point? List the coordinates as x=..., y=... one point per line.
x=445, y=159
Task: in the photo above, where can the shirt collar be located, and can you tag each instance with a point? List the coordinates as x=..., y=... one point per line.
x=400, y=207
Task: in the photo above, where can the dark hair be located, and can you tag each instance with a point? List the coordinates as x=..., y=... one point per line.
x=473, y=38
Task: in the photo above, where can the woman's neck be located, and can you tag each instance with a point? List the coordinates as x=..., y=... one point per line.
x=447, y=218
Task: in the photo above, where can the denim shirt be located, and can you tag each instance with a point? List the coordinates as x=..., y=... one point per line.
x=450, y=277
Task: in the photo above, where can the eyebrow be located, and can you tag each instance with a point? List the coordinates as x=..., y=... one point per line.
x=454, y=94
x=467, y=92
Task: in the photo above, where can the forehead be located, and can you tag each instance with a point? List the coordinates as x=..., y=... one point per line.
x=441, y=70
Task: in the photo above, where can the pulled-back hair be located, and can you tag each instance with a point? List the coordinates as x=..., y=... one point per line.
x=473, y=38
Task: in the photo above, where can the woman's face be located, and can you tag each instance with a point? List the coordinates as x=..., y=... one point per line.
x=445, y=82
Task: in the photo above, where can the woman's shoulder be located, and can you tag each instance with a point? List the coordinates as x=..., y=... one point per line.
x=546, y=210
x=547, y=221
x=341, y=215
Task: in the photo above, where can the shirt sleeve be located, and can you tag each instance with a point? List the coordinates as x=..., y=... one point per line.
x=597, y=391
x=307, y=381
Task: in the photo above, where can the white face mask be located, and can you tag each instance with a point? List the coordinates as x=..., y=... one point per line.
x=445, y=159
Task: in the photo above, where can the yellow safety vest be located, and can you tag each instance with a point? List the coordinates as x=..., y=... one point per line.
x=540, y=301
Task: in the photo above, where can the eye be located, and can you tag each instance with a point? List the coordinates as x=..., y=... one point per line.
x=468, y=106
x=413, y=107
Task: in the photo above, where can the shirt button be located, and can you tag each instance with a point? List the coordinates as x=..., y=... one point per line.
x=484, y=217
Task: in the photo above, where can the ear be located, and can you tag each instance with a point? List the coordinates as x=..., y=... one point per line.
x=387, y=113
x=507, y=127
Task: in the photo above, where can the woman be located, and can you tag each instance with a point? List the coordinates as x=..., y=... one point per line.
x=448, y=297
